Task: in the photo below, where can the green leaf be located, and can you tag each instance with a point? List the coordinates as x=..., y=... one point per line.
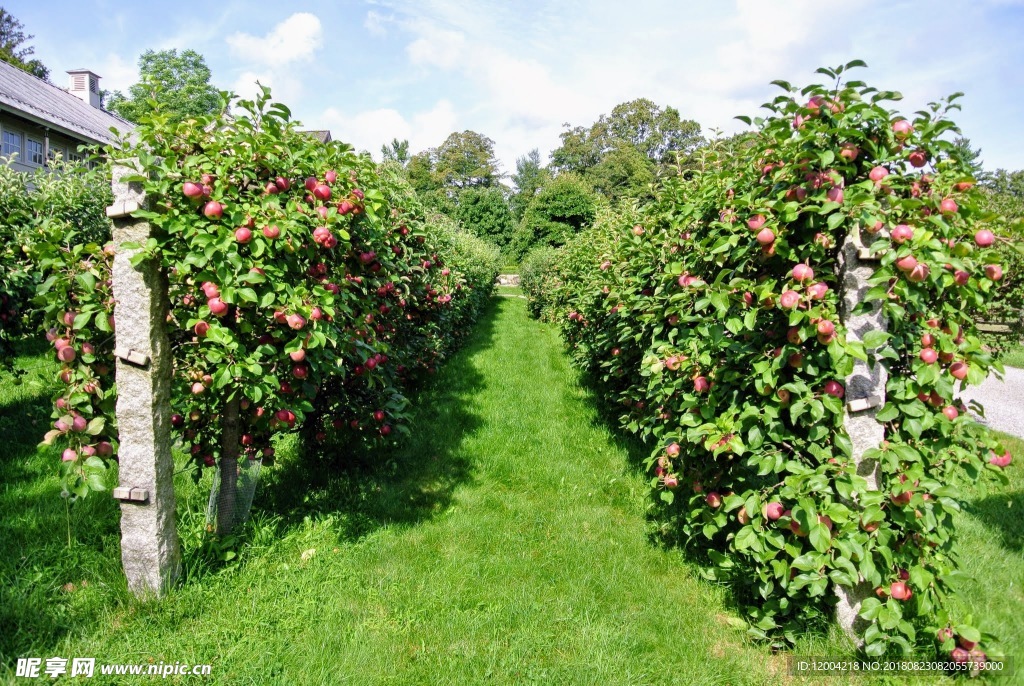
x=95, y=426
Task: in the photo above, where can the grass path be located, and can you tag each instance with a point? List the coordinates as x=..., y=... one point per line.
x=504, y=543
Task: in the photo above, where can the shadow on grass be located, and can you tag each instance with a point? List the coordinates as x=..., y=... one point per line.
x=403, y=485
x=1003, y=514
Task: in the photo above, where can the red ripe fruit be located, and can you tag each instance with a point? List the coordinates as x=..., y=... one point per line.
x=213, y=210
x=902, y=233
x=929, y=356
x=191, y=189
x=271, y=232
x=835, y=389
x=701, y=384
x=994, y=272
x=322, y=192
x=379, y=415
x=902, y=128
x=918, y=158
x=802, y=272
x=201, y=329
x=310, y=183
x=756, y=222
x=948, y=206
x=984, y=238
x=243, y=235
x=950, y=412
x=826, y=328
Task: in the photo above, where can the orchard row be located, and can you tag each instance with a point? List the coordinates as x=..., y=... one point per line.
x=307, y=289
x=713, y=319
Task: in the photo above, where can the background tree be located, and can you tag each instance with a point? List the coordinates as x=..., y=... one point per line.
x=562, y=208
x=529, y=178
x=396, y=151
x=13, y=49
x=621, y=153
x=485, y=212
x=466, y=159
x=179, y=83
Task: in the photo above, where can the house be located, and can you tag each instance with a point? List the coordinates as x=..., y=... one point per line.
x=322, y=135
x=38, y=120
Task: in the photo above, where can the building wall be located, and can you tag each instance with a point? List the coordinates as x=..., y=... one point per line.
x=32, y=142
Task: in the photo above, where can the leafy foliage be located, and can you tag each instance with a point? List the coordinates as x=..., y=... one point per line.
x=714, y=323
x=529, y=178
x=307, y=289
x=176, y=84
x=485, y=212
x=13, y=49
x=561, y=209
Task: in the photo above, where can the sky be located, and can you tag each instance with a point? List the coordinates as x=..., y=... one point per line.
x=519, y=71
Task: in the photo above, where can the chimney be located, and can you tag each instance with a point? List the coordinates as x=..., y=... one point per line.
x=86, y=86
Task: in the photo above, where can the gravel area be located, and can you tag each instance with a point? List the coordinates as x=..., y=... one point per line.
x=1003, y=401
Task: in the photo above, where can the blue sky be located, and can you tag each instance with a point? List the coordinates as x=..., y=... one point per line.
x=518, y=71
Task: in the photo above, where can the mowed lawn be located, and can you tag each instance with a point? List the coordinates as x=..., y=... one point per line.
x=504, y=543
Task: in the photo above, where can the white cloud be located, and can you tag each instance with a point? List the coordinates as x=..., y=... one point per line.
x=295, y=39
x=116, y=74
x=437, y=48
x=376, y=23
x=371, y=129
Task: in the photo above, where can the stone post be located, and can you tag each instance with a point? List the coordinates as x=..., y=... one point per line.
x=865, y=395
x=150, y=551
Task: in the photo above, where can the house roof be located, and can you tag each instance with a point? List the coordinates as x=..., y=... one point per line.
x=46, y=104
x=322, y=135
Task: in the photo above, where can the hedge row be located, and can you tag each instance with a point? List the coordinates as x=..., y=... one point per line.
x=713, y=322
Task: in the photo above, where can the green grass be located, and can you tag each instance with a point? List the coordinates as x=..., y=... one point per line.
x=504, y=543
x=1014, y=357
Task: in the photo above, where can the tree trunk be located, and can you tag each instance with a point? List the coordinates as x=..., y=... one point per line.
x=229, y=452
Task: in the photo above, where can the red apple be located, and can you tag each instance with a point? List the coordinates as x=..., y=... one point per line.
x=906, y=264
x=878, y=173
x=714, y=500
x=802, y=272
x=701, y=384
x=213, y=210
x=271, y=232
x=994, y=272
x=984, y=238
x=295, y=321
x=191, y=189
x=243, y=235
x=902, y=233
x=902, y=128
x=756, y=222
x=765, y=236
x=948, y=206
x=899, y=590
x=789, y=299
x=773, y=511
x=959, y=370
x=835, y=389
x=928, y=355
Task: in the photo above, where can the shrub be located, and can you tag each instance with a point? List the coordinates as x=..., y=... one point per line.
x=560, y=210
x=724, y=355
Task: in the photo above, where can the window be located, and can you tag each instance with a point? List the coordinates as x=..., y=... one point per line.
x=74, y=157
x=33, y=152
x=11, y=144
x=55, y=151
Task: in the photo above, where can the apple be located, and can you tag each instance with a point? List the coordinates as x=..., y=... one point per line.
x=835, y=194
x=959, y=370
x=213, y=210
x=849, y=151
x=899, y=590
x=743, y=517
x=950, y=412
x=638, y=230
x=906, y=264
x=944, y=634
x=322, y=192
x=69, y=455
x=379, y=415
x=966, y=644
x=201, y=328
x=271, y=232
x=191, y=189
x=765, y=236
x=295, y=321
x=198, y=388
x=783, y=395
x=671, y=481
x=961, y=277
x=928, y=355
x=243, y=234
x=902, y=233
x=789, y=299
x=773, y=511
x=1003, y=460
x=919, y=273
x=672, y=450
x=826, y=328
x=331, y=176
x=796, y=360
x=210, y=290
x=817, y=291
x=714, y=500
x=802, y=272
x=310, y=183
x=756, y=222
x=701, y=384
x=218, y=307
x=984, y=238
x=918, y=158
x=878, y=173
x=835, y=389
x=902, y=128
x=959, y=655
x=300, y=371
x=948, y=206
x=282, y=183
x=994, y=272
